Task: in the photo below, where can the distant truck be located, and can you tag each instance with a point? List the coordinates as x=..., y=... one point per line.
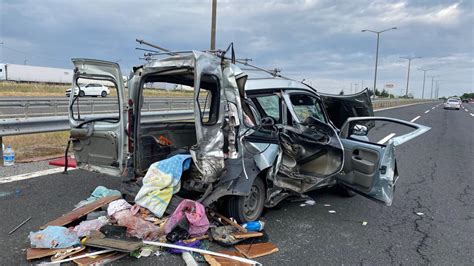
x=25, y=73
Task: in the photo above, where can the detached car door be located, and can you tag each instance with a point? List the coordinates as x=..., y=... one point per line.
x=370, y=166
x=98, y=129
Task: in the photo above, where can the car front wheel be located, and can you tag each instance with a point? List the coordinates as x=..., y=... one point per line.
x=103, y=94
x=82, y=94
x=248, y=208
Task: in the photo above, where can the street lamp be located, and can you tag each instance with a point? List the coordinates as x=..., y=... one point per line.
x=377, y=51
x=408, y=75
x=432, y=80
x=424, y=76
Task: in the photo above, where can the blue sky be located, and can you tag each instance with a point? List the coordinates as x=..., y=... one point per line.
x=320, y=41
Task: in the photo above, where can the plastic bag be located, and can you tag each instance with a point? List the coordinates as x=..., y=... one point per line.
x=195, y=215
x=85, y=227
x=53, y=237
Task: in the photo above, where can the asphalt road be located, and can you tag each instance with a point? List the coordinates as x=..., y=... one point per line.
x=436, y=181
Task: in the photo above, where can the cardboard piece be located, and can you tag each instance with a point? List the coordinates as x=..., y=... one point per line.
x=221, y=261
x=38, y=253
x=100, y=259
x=97, y=239
x=252, y=251
x=81, y=211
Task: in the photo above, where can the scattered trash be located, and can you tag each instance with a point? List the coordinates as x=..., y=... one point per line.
x=84, y=228
x=18, y=226
x=310, y=202
x=53, y=237
x=189, y=259
x=202, y=251
x=98, y=193
x=327, y=205
x=364, y=223
x=332, y=211
x=420, y=214
x=8, y=156
x=193, y=213
x=254, y=226
x=66, y=253
x=121, y=211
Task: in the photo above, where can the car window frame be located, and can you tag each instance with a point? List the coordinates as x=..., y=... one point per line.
x=315, y=96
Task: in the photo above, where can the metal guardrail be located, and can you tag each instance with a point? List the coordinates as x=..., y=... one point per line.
x=32, y=125
x=17, y=107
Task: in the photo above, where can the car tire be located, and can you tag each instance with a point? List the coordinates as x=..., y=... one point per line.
x=103, y=94
x=344, y=191
x=247, y=208
x=82, y=94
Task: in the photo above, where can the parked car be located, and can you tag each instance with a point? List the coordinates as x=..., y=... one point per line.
x=254, y=142
x=452, y=103
x=91, y=89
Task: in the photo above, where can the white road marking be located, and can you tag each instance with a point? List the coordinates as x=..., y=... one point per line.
x=382, y=141
x=414, y=119
x=427, y=111
x=32, y=175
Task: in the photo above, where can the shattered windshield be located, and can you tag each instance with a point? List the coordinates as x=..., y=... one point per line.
x=306, y=106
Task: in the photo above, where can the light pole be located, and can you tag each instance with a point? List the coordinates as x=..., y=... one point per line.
x=424, y=77
x=432, y=80
x=377, y=51
x=213, y=25
x=408, y=75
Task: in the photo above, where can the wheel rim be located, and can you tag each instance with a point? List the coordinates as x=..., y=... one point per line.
x=252, y=203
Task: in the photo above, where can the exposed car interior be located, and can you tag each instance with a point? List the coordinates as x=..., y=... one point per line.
x=159, y=140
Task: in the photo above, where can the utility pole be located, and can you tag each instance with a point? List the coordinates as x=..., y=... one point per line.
x=377, y=52
x=213, y=25
x=408, y=75
x=424, y=76
x=432, y=81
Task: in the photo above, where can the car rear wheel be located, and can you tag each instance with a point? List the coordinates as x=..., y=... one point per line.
x=247, y=208
x=103, y=94
x=82, y=94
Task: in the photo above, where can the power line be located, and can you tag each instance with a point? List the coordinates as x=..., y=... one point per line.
x=35, y=55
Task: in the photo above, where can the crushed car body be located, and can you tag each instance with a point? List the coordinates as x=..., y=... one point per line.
x=253, y=142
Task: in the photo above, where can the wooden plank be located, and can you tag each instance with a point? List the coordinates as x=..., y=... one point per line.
x=229, y=221
x=81, y=211
x=97, y=239
x=37, y=253
x=99, y=259
x=247, y=235
x=252, y=251
x=221, y=261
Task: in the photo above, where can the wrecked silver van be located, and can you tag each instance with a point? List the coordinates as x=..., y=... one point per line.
x=253, y=142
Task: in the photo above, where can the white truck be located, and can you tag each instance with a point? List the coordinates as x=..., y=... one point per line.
x=26, y=73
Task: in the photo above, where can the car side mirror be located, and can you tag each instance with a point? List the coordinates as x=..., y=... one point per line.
x=360, y=130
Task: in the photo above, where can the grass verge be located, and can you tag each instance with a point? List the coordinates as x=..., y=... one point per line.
x=37, y=145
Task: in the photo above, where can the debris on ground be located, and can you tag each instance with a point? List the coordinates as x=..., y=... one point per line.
x=332, y=211
x=364, y=223
x=420, y=214
x=105, y=227
x=18, y=226
x=54, y=237
x=252, y=251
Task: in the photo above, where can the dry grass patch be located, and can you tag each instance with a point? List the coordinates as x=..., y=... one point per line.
x=37, y=145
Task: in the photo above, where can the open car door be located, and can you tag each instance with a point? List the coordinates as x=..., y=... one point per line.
x=98, y=140
x=370, y=166
x=340, y=107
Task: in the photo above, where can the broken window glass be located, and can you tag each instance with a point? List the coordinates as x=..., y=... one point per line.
x=306, y=106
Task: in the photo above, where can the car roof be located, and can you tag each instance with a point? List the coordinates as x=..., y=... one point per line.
x=273, y=83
